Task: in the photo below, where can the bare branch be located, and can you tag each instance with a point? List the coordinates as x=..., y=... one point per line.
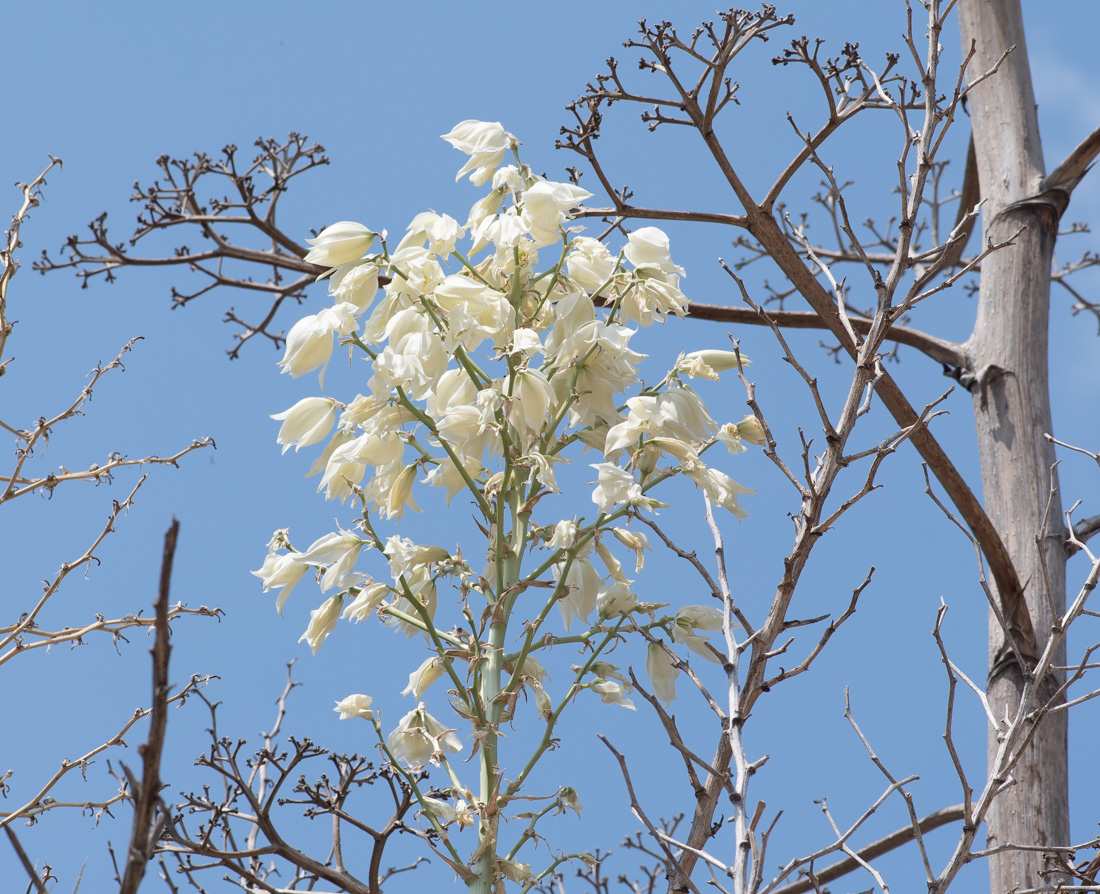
x=146, y=794
x=876, y=849
x=38, y=884
x=247, y=207
x=32, y=196
x=40, y=803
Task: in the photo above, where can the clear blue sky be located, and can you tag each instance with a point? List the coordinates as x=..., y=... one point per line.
x=111, y=88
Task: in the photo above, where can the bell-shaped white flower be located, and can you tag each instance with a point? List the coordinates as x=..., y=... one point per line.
x=485, y=208
x=528, y=406
x=419, y=737
x=634, y=540
x=565, y=534
x=440, y=230
x=653, y=295
x=470, y=435
x=308, y=346
x=525, y=344
x=366, y=602
x=708, y=363
x=511, y=179
x=616, y=487
x=320, y=464
x=612, y=692
x=662, y=673
x=688, y=621
x=405, y=556
x=360, y=411
x=543, y=466
x=447, y=475
x=721, y=489
x=322, y=621
x=581, y=590
x=355, y=706
x=453, y=389
x=356, y=283
x=751, y=430
x=414, y=359
x=339, y=551
x=281, y=571
x=340, y=243
x=684, y=415
x=611, y=563
x=545, y=207
x=485, y=142
x=379, y=446
x=616, y=599
x=309, y=341
x=590, y=264
x=340, y=475
x=400, y=494
x=420, y=679
x=306, y=423
x=447, y=813
x=649, y=247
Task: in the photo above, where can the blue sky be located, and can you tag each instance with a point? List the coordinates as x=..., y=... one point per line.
x=110, y=89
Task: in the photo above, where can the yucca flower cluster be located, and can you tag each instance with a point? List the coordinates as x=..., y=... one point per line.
x=485, y=375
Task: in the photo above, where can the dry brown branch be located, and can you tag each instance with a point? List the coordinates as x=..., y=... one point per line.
x=938, y=349
x=802, y=266
x=247, y=206
x=682, y=882
x=18, y=484
x=39, y=884
x=238, y=831
x=1061, y=276
x=871, y=851
x=146, y=794
x=39, y=803
x=13, y=637
x=9, y=264
x=768, y=233
x=23, y=634
x=693, y=559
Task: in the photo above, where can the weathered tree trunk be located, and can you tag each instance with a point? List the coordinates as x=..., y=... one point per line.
x=1008, y=354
